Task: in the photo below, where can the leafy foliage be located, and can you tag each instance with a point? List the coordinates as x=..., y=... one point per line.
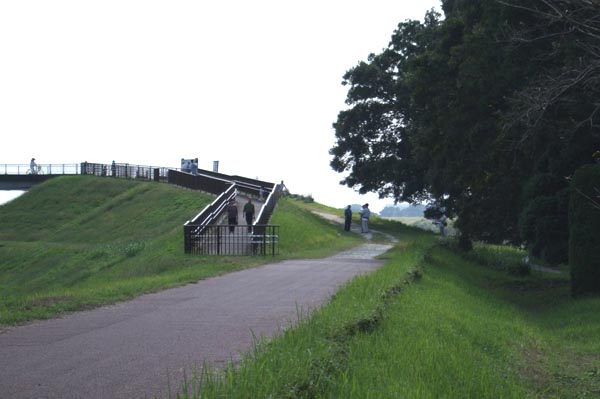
x=463, y=111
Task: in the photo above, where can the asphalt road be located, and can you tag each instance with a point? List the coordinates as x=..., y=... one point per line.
x=142, y=348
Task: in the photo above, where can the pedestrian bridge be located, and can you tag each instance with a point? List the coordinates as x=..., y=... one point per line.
x=20, y=176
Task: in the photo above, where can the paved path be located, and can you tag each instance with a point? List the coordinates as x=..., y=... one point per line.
x=139, y=348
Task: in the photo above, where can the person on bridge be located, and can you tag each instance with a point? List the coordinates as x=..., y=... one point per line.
x=33, y=166
x=347, y=218
x=249, y=214
x=232, y=215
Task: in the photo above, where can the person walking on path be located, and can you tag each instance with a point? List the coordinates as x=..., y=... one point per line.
x=347, y=218
x=365, y=214
x=232, y=216
x=249, y=213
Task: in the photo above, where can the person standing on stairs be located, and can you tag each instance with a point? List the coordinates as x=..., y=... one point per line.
x=249, y=214
x=232, y=216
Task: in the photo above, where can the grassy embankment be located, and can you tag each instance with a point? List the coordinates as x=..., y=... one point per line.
x=81, y=241
x=429, y=324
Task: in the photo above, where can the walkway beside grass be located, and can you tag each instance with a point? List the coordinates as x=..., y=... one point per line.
x=146, y=346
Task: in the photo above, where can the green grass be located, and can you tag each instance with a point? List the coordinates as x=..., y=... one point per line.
x=307, y=235
x=78, y=242
x=428, y=324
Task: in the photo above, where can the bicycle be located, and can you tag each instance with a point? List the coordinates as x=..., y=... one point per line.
x=37, y=170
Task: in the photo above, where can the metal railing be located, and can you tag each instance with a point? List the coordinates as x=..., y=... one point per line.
x=209, y=215
x=209, y=184
x=126, y=171
x=269, y=207
x=43, y=169
x=203, y=236
x=123, y=170
x=233, y=240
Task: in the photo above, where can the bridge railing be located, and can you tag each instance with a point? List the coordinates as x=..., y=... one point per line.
x=127, y=171
x=269, y=207
x=46, y=169
x=209, y=184
x=215, y=209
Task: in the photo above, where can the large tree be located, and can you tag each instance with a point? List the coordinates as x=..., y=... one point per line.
x=554, y=119
x=371, y=133
x=441, y=114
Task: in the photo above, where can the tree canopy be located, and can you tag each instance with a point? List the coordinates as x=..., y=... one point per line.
x=487, y=111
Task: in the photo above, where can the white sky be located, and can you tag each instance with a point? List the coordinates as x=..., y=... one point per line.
x=255, y=85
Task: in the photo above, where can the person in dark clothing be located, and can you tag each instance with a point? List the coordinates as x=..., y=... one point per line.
x=232, y=215
x=249, y=213
x=347, y=218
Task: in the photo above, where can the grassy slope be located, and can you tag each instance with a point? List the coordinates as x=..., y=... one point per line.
x=431, y=324
x=81, y=241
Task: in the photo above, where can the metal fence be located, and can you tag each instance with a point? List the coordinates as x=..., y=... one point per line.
x=232, y=240
x=123, y=170
x=126, y=171
x=42, y=169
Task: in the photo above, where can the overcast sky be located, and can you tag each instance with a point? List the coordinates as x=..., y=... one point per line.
x=255, y=85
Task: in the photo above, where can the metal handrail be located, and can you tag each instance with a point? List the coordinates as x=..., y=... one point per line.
x=264, y=216
x=47, y=169
x=208, y=216
x=207, y=183
x=212, y=212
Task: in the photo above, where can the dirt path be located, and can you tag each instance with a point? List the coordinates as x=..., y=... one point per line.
x=139, y=348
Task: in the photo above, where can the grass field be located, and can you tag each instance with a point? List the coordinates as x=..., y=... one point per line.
x=431, y=323
x=77, y=242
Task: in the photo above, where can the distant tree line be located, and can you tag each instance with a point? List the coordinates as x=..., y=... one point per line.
x=487, y=111
x=409, y=211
